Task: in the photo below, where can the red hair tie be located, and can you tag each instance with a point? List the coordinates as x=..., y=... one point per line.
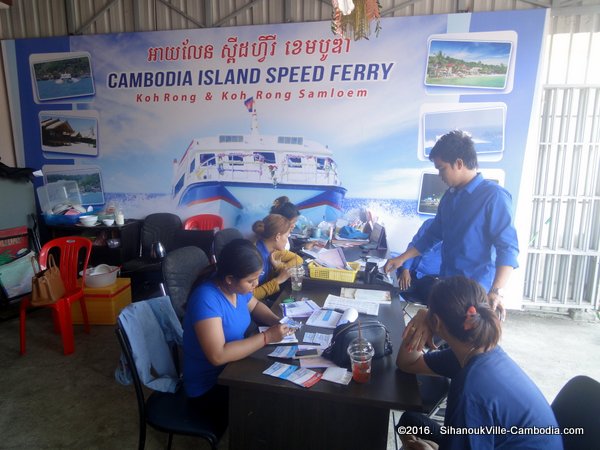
x=470, y=318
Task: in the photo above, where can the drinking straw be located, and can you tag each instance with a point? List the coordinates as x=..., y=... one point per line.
x=363, y=357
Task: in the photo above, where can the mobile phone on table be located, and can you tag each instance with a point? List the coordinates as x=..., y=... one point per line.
x=306, y=353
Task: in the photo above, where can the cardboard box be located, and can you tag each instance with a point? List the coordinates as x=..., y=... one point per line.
x=104, y=304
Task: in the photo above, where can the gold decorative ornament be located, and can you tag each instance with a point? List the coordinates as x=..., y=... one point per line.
x=352, y=18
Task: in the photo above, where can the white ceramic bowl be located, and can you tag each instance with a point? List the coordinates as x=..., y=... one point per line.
x=88, y=220
x=108, y=222
x=100, y=276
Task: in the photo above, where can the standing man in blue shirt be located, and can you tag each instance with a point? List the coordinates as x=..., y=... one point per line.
x=473, y=222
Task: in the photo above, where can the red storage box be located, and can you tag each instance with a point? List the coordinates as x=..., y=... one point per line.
x=12, y=240
x=104, y=304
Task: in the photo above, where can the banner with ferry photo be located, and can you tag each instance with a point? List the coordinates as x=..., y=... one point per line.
x=225, y=120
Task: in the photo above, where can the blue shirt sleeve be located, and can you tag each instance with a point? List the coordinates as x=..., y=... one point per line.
x=413, y=263
x=264, y=252
x=430, y=236
x=502, y=233
x=203, y=303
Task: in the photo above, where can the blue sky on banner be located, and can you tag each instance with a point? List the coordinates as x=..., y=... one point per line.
x=355, y=129
x=375, y=134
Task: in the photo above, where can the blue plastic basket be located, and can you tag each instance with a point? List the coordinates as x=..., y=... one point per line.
x=60, y=219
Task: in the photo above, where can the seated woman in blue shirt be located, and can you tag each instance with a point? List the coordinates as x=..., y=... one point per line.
x=273, y=233
x=218, y=313
x=487, y=389
x=417, y=275
x=285, y=208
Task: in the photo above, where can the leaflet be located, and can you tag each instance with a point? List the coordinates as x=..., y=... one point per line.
x=284, y=351
x=343, y=303
x=370, y=295
x=317, y=362
x=302, y=309
x=321, y=339
x=300, y=376
x=324, y=318
x=337, y=375
x=290, y=339
x=295, y=351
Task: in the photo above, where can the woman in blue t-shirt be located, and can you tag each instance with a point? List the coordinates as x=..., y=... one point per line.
x=218, y=313
x=491, y=403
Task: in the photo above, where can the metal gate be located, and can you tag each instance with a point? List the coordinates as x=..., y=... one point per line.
x=563, y=255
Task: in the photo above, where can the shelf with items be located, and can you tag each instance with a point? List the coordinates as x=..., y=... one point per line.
x=112, y=245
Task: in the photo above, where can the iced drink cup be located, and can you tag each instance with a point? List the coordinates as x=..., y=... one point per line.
x=361, y=354
x=296, y=274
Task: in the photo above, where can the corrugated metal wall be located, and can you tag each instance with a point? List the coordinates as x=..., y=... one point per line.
x=42, y=18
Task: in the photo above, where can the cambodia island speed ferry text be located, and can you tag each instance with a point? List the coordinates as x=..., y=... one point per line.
x=227, y=174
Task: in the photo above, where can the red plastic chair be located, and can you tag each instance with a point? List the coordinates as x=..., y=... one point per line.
x=73, y=254
x=204, y=222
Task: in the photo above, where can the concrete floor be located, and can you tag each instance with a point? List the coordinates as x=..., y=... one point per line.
x=52, y=401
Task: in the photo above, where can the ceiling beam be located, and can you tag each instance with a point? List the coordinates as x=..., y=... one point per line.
x=95, y=17
x=182, y=13
x=236, y=13
x=540, y=4
x=208, y=14
x=393, y=9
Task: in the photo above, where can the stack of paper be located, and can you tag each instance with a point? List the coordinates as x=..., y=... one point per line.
x=362, y=306
x=325, y=318
x=299, y=310
x=300, y=376
x=370, y=295
x=333, y=258
x=296, y=351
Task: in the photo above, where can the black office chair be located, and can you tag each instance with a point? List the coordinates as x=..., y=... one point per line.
x=165, y=411
x=182, y=268
x=578, y=405
x=145, y=271
x=222, y=237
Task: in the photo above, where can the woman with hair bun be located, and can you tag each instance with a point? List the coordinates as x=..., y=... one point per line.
x=488, y=392
x=285, y=208
x=273, y=232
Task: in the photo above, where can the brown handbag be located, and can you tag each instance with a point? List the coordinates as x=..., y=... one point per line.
x=47, y=286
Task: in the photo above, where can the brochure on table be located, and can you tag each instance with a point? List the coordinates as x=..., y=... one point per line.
x=299, y=310
x=290, y=351
x=342, y=303
x=290, y=339
x=297, y=375
x=371, y=295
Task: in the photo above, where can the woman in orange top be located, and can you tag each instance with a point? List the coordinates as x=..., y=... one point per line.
x=273, y=233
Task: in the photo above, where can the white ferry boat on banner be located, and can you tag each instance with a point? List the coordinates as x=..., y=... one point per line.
x=231, y=175
x=66, y=78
